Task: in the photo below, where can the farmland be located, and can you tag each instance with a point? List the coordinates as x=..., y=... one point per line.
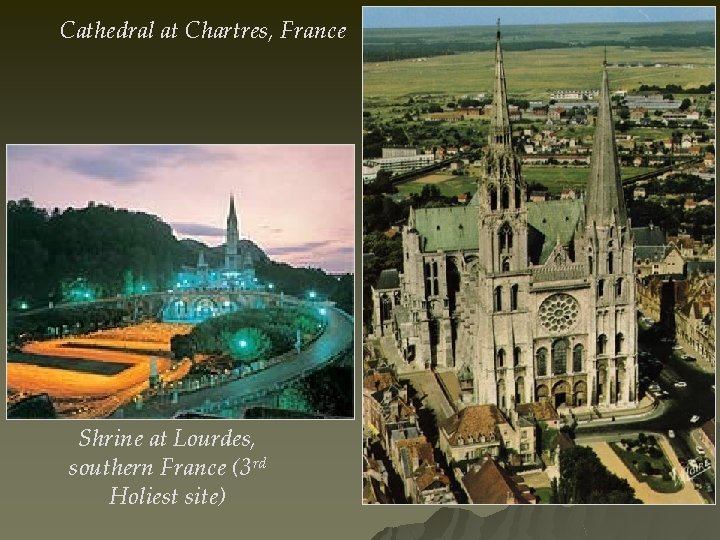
x=533, y=74
x=554, y=178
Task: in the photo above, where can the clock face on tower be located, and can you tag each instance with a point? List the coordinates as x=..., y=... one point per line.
x=559, y=313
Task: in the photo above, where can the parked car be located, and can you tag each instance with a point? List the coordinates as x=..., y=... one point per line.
x=680, y=384
x=700, y=450
x=677, y=347
x=694, y=418
x=671, y=434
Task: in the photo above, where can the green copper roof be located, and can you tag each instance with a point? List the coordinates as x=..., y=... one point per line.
x=448, y=229
x=456, y=228
x=552, y=220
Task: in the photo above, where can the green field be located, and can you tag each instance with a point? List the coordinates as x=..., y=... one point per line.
x=555, y=178
x=533, y=74
x=449, y=188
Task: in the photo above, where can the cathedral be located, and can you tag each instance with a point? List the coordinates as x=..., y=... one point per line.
x=237, y=273
x=523, y=301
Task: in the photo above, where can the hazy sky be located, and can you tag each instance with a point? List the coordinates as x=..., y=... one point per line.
x=295, y=202
x=404, y=17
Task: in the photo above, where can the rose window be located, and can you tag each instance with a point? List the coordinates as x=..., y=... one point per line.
x=559, y=312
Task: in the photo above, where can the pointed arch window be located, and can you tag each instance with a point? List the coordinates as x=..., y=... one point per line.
x=518, y=196
x=559, y=356
x=500, y=358
x=601, y=343
x=514, y=297
x=601, y=288
x=505, y=198
x=610, y=263
x=619, y=342
x=428, y=280
x=505, y=237
x=578, y=360
x=506, y=264
x=618, y=287
x=516, y=356
x=541, y=361
x=493, y=198
x=590, y=263
x=498, y=298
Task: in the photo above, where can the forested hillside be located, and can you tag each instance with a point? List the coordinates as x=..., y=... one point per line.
x=106, y=247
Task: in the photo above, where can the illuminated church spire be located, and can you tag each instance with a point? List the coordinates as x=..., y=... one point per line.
x=232, y=235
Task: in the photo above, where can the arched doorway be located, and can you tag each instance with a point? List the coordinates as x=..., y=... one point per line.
x=580, y=394
x=561, y=393
x=542, y=393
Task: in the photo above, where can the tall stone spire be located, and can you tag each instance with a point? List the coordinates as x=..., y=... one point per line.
x=604, y=191
x=232, y=235
x=500, y=132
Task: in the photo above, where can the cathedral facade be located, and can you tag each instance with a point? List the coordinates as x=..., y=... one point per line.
x=523, y=301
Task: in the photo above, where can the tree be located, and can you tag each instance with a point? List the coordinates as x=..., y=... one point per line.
x=585, y=480
x=685, y=105
x=554, y=492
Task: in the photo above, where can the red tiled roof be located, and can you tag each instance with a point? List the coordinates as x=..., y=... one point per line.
x=475, y=421
x=491, y=484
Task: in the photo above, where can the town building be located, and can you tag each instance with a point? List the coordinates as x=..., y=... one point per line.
x=491, y=484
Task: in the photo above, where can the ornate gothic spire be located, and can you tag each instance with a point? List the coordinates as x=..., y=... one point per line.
x=604, y=191
x=231, y=215
x=500, y=132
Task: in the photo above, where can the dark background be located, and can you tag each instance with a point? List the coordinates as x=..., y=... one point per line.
x=55, y=90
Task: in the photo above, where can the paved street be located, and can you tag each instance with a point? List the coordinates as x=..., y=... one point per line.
x=338, y=335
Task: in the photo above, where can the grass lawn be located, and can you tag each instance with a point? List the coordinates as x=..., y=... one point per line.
x=451, y=187
x=634, y=460
x=543, y=495
x=555, y=178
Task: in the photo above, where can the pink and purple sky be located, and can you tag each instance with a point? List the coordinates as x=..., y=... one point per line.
x=295, y=201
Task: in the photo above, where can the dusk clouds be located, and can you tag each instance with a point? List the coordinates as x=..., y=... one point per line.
x=295, y=201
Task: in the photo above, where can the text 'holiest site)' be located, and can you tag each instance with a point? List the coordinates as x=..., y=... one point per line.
x=165, y=468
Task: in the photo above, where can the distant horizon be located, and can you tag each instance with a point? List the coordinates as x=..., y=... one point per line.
x=503, y=25
x=439, y=17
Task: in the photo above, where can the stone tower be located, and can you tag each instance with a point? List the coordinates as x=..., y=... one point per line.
x=503, y=344
x=232, y=235
x=608, y=247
